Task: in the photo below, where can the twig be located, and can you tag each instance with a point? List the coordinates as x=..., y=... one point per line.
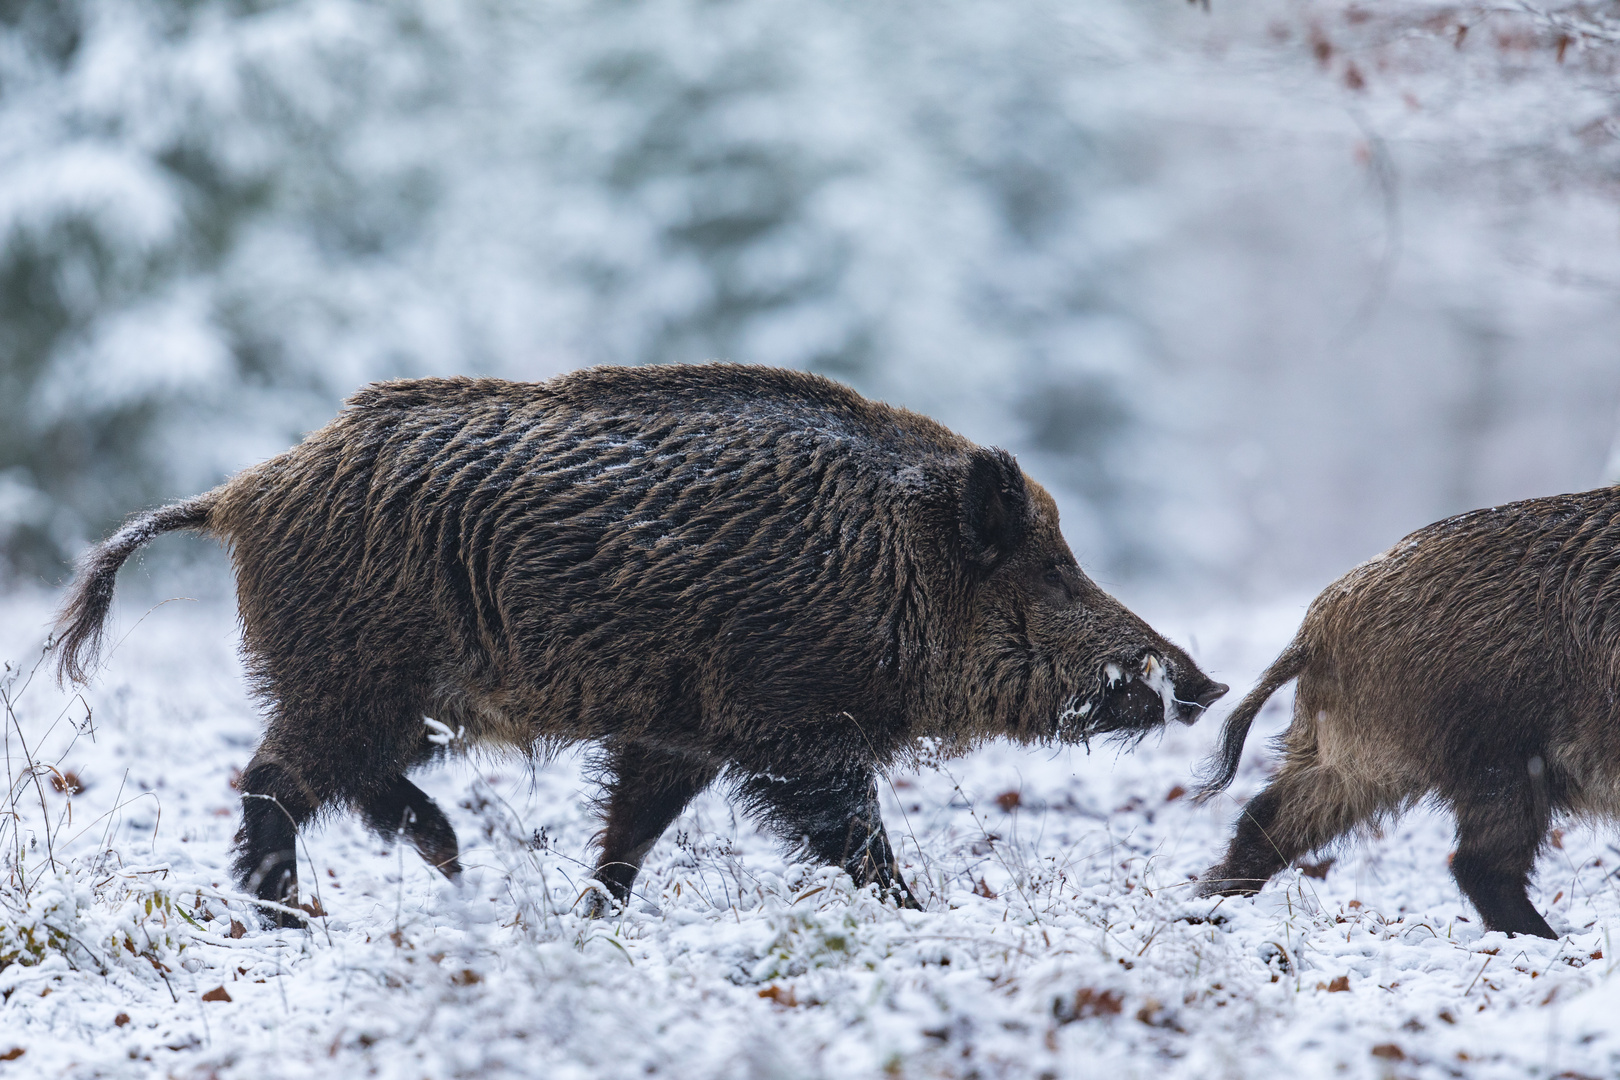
x=997, y=852
x=1477, y=974
x=33, y=768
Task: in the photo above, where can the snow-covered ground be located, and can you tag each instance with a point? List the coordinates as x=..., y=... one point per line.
x=1060, y=938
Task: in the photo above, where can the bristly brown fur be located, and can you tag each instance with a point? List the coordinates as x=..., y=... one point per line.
x=701, y=570
x=1476, y=662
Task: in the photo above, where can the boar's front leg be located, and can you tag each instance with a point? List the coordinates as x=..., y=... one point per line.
x=837, y=818
x=647, y=789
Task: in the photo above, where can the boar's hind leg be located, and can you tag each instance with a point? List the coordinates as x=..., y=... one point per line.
x=398, y=807
x=1305, y=807
x=1497, y=841
x=838, y=819
x=275, y=802
x=1259, y=848
x=318, y=752
x=647, y=789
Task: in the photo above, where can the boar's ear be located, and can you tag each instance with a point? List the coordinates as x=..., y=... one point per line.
x=995, y=507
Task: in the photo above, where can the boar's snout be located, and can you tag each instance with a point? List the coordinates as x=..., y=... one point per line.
x=1202, y=691
x=1192, y=692
x=1149, y=694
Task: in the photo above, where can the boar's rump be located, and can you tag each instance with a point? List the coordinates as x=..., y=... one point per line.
x=1477, y=661
x=699, y=569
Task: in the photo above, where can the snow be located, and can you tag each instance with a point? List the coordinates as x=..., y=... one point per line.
x=1060, y=937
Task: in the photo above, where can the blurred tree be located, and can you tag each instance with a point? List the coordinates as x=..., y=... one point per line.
x=218, y=217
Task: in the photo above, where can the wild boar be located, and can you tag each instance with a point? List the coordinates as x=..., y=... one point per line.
x=703, y=570
x=1476, y=662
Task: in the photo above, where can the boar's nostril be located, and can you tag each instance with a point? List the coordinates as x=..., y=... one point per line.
x=1211, y=695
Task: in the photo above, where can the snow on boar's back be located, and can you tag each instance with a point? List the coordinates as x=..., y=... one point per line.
x=702, y=570
x=1476, y=661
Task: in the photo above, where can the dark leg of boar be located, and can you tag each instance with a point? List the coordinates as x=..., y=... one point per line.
x=1253, y=854
x=1305, y=807
x=400, y=808
x=647, y=789
x=838, y=820
x=1497, y=842
x=335, y=752
x=274, y=803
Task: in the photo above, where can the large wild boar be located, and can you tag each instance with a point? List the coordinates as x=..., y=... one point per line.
x=702, y=570
x=1476, y=661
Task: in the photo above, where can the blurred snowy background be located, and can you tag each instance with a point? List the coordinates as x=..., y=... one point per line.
x=1254, y=288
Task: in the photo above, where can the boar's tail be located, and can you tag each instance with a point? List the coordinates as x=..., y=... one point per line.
x=1224, y=764
x=79, y=626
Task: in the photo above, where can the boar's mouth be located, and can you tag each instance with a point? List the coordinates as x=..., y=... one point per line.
x=1137, y=703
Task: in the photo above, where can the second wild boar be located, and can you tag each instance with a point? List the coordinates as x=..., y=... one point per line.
x=1477, y=662
x=706, y=571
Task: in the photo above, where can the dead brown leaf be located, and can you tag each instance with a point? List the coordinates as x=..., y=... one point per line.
x=66, y=783
x=1087, y=1003
x=786, y=997
x=1317, y=870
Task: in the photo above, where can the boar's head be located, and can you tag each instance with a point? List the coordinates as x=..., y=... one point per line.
x=1050, y=656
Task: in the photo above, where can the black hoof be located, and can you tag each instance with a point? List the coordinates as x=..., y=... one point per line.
x=275, y=881
x=598, y=904
x=283, y=920
x=1216, y=883
x=1531, y=925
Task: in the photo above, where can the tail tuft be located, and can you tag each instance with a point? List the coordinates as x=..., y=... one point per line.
x=81, y=623
x=1224, y=764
